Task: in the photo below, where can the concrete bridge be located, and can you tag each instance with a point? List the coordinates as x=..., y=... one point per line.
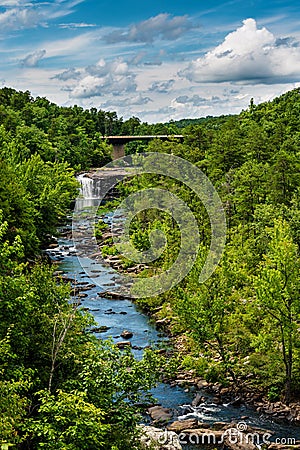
x=118, y=142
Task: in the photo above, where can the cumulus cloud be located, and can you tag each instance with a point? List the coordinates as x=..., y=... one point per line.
x=106, y=78
x=248, y=54
x=69, y=74
x=103, y=68
x=162, y=87
x=162, y=26
x=130, y=101
x=33, y=59
x=19, y=18
x=196, y=100
x=20, y=14
x=7, y=3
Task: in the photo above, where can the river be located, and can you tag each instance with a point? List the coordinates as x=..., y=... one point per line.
x=118, y=315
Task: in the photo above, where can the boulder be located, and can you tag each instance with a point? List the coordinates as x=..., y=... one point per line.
x=101, y=329
x=54, y=245
x=160, y=414
x=202, y=384
x=179, y=425
x=113, y=295
x=197, y=400
x=201, y=437
x=123, y=344
x=235, y=439
x=157, y=439
x=126, y=334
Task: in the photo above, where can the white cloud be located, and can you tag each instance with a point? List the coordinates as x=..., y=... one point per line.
x=33, y=59
x=248, y=54
x=8, y=3
x=162, y=26
x=15, y=19
x=106, y=78
x=19, y=15
x=69, y=74
x=195, y=100
x=103, y=68
x=162, y=86
x=74, y=25
x=69, y=47
x=128, y=101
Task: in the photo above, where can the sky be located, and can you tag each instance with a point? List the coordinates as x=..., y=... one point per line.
x=159, y=60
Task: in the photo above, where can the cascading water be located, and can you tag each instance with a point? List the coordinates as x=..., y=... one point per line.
x=87, y=186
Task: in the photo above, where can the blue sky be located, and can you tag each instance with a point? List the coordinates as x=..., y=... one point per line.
x=158, y=60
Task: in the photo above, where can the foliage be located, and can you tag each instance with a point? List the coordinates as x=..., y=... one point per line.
x=244, y=320
x=62, y=388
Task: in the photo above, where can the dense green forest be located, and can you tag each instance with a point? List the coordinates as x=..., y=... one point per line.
x=61, y=388
x=242, y=324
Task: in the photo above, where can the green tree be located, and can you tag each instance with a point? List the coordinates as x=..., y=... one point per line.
x=278, y=289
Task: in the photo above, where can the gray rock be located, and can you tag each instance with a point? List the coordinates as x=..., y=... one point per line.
x=160, y=414
x=156, y=439
x=123, y=344
x=179, y=425
x=126, y=334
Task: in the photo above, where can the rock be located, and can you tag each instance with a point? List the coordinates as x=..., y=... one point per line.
x=216, y=388
x=160, y=414
x=112, y=295
x=242, y=445
x=126, y=334
x=67, y=279
x=236, y=402
x=180, y=425
x=123, y=344
x=217, y=401
x=101, y=329
x=197, y=400
x=136, y=347
x=201, y=437
x=235, y=439
x=54, y=245
x=202, y=384
x=220, y=426
x=132, y=269
x=57, y=273
x=113, y=257
x=95, y=255
x=162, y=322
x=156, y=439
x=225, y=391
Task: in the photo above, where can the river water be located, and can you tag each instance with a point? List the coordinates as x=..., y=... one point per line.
x=118, y=315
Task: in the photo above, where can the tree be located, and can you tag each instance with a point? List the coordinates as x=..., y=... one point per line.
x=278, y=293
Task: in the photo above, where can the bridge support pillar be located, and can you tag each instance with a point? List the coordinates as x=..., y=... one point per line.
x=118, y=151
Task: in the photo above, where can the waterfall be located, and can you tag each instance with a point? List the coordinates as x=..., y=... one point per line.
x=87, y=186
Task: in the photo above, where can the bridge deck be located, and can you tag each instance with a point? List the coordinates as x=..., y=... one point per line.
x=125, y=139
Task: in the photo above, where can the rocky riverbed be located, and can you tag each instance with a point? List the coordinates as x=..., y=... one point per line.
x=188, y=407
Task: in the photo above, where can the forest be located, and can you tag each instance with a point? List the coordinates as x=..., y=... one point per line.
x=61, y=388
